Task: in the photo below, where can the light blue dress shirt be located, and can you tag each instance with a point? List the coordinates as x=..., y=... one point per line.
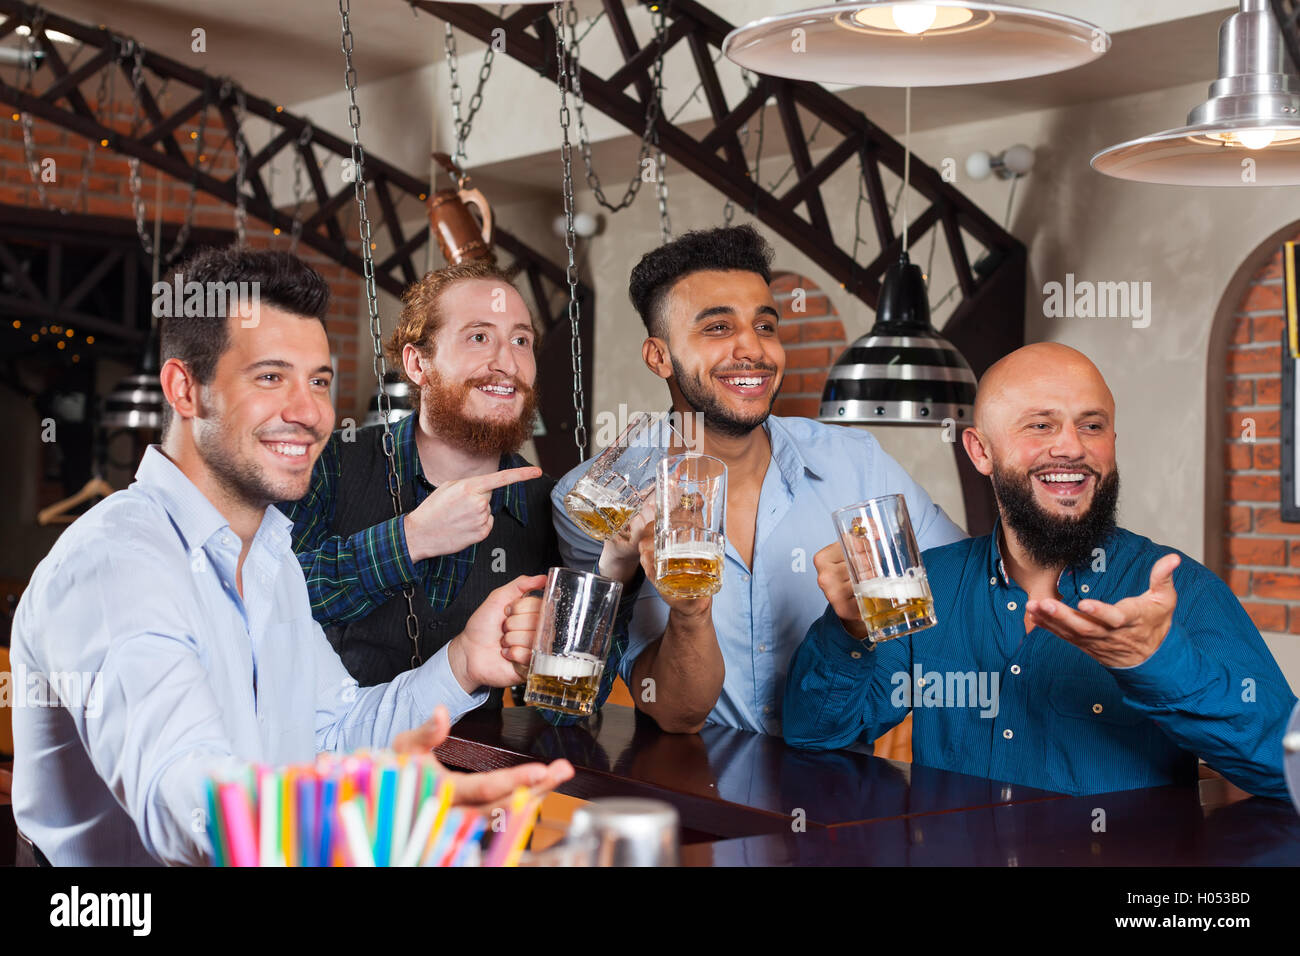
x=183, y=678
x=762, y=613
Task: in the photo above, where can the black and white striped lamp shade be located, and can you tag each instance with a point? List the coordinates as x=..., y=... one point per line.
x=135, y=402
x=899, y=380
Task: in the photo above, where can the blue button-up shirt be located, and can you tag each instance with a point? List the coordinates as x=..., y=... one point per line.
x=762, y=613
x=988, y=699
x=143, y=672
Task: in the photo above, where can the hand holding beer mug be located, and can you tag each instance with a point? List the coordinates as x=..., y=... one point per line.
x=690, y=502
x=622, y=477
x=572, y=641
x=889, y=581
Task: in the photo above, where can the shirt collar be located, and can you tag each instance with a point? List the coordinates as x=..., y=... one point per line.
x=194, y=516
x=789, y=461
x=1080, y=577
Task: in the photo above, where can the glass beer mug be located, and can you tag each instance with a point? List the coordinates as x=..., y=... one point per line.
x=572, y=641
x=889, y=581
x=622, y=477
x=690, y=502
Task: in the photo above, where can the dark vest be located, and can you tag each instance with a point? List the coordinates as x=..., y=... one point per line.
x=376, y=648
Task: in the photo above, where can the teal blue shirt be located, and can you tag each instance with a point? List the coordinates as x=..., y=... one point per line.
x=988, y=699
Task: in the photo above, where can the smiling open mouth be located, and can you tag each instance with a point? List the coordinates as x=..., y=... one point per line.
x=1063, y=484
x=749, y=386
x=497, y=391
x=287, y=449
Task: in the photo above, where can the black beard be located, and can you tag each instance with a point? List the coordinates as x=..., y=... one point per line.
x=716, y=415
x=1049, y=540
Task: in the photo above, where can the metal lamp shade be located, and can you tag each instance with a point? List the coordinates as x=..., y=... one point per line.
x=1246, y=134
x=400, y=401
x=135, y=402
x=865, y=44
x=902, y=372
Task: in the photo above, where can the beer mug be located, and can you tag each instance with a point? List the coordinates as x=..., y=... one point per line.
x=885, y=566
x=690, y=500
x=572, y=641
x=622, y=477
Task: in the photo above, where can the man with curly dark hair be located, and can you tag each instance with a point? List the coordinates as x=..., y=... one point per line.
x=711, y=325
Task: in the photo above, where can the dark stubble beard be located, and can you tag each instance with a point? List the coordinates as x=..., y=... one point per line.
x=716, y=415
x=444, y=405
x=242, y=477
x=1054, y=541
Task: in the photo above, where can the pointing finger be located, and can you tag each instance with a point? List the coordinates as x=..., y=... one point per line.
x=499, y=479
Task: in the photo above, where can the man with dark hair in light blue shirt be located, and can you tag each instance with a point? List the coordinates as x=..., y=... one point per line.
x=168, y=638
x=1102, y=660
x=711, y=325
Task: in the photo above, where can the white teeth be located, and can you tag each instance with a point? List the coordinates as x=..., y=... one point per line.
x=743, y=382
x=497, y=389
x=1061, y=477
x=293, y=451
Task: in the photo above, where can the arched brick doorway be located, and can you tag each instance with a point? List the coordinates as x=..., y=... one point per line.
x=1246, y=542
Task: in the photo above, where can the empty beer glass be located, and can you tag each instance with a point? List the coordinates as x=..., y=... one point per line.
x=885, y=566
x=690, y=501
x=572, y=641
x=622, y=477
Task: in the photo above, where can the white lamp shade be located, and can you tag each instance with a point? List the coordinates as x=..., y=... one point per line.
x=874, y=43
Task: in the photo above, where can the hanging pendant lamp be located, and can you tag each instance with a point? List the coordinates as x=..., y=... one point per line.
x=902, y=372
x=915, y=43
x=1246, y=134
x=136, y=401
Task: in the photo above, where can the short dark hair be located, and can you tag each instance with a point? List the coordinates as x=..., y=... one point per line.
x=726, y=248
x=282, y=280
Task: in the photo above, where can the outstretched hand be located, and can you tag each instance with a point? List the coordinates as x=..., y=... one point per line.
x=1115, y=635
x=482, y=791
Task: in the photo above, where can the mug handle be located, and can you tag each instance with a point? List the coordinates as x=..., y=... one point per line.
x=472, y=197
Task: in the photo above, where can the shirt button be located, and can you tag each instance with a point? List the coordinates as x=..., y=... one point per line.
x=1015, y=668
x=1011, y=605
x=855, y=654
x=1096, y=708
x=993, y=581
x=1007, y=733
x=767, y=710
x=744, y=577
x=762, y=648
x=1083, y=588
x=225, y=539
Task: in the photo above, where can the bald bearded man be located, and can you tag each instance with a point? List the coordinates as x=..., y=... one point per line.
x=1070, y=654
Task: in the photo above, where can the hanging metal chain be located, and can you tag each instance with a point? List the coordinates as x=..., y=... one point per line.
x=136, y=52
x=652, y=109
x=304, y=144
x=28, y=69
x=566, y=157
x=661, y=192
x=462, y=127
x=241, y=163
x=372, y=305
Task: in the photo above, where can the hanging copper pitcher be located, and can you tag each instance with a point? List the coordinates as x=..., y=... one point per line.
x=460, y=236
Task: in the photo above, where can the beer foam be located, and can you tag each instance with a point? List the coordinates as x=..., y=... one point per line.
x=567, y=667
x=689, y=549
x=599, y=496
x=904, y=588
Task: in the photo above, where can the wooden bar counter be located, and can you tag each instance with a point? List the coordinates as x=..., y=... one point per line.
x=751, y=800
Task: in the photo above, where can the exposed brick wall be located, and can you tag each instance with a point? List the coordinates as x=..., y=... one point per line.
x=1261, y=559
x=107, y=193
x=813, y=338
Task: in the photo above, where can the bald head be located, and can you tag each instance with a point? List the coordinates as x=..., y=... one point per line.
x=1039, y=377
x=1045, y=433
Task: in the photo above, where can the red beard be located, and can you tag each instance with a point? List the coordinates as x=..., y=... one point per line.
x=444, y=405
